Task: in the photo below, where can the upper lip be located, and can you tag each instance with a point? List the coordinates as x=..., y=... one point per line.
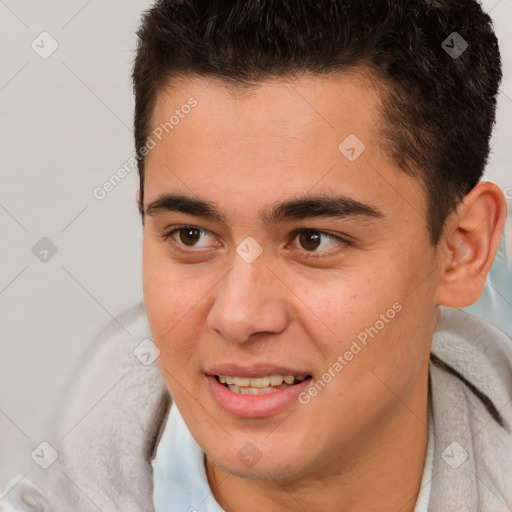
x=253, y=370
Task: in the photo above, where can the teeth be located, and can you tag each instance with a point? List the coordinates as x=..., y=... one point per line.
x=250, y=391
x=276, y=380
x=255, y=382
x=258, y=382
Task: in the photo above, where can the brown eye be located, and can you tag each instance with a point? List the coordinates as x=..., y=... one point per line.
x=316, y=243
x=189, y=236
x=310, y=240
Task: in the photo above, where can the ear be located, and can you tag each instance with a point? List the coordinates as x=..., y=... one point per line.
x=469, y=244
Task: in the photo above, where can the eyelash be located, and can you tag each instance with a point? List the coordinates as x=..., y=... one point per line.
x=345, y=242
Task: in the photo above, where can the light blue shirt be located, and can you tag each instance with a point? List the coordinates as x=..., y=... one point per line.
x=179, y=476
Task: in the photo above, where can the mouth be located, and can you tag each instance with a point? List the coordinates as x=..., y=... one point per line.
x=259, y=385
x=257, y=397
x=256, y=391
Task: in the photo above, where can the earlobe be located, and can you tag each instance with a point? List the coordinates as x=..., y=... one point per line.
x=469, y=245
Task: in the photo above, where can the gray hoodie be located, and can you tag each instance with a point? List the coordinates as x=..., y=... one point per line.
x=111, y=416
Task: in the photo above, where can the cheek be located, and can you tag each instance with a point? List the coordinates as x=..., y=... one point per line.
x=374, y=314
x=168, y=295
x=171, y=309
x=169, y=305
x=340, y=309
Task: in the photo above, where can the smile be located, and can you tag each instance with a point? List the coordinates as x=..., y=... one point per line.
x=256, y=396
x=259, y=385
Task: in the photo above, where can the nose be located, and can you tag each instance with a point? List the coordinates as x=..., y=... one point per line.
x=249, y=302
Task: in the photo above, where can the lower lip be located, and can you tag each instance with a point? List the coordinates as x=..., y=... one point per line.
x=255, y=406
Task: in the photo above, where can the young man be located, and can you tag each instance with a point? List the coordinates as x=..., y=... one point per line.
x=312, y=207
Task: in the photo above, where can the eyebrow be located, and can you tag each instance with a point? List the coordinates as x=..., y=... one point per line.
x=339, y=207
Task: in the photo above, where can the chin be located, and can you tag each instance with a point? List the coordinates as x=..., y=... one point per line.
x=266, y=463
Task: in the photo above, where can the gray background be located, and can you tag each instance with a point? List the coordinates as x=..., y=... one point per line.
x=66, y=127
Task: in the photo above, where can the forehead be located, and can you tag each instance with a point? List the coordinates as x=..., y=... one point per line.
x=279, y=110
x=280, y=137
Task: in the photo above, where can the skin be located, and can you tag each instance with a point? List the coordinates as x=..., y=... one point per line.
x=360, y=443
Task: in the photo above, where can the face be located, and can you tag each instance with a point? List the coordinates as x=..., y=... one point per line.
x=277, y=246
